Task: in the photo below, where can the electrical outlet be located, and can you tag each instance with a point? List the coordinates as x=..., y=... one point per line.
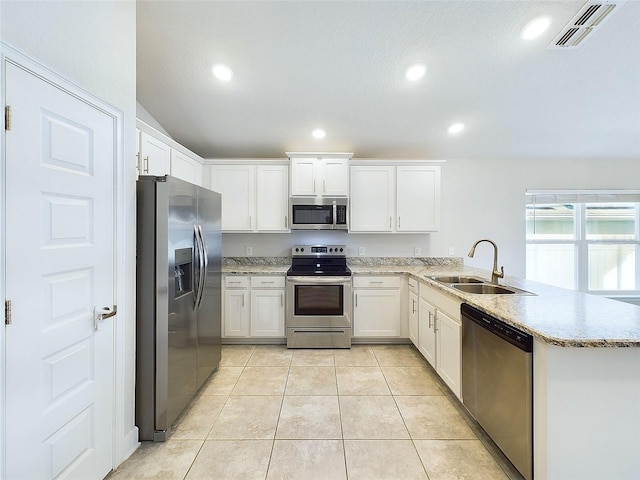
x=451, y=251
x=417, y=251
x=249, y=251
x=361, y=251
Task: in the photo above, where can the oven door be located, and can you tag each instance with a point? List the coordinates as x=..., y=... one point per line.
x=318, y=302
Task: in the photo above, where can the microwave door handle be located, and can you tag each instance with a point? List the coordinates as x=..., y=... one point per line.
x=335, y=215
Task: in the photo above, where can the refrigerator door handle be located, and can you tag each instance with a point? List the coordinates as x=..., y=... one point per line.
x=205, y=262
x=201, y=268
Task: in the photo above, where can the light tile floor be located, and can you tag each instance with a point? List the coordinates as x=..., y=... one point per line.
x=371, y=412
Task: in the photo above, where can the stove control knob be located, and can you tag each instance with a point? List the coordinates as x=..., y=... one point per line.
x=297, y=249
x=330, y=250
x=341, y=250
x=302, y=249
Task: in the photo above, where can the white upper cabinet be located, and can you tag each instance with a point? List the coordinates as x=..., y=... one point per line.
x=273, y=198
x=160, y=155
x=185, y=167
x=418, y=198
x=317, y=175
x=399, y=198
x=236, y=184
x=154, y=156
x=372, y=198
x=255, y=198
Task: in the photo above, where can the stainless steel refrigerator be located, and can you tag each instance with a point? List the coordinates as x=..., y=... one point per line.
x=178, y=325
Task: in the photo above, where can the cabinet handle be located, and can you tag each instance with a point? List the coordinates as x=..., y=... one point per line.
x=286, y=222
x=230, y=281
x=281, y=300
x=250, y=221
x=389, y=222
x=414, y=306
x=146, y=162
x=243, y=300
x=324, y=186
x=314, y=186
x=266, y=283
x=356, y=300
x=430, y=319
x=398, y=221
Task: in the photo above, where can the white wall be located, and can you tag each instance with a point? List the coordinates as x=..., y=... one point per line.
x=146, y=117
x=93, y=44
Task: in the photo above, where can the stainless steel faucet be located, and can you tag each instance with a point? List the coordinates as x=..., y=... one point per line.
x=495, y=274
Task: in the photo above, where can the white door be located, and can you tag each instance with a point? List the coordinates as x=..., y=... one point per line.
x=59, y=267
x=376, y=313
x=335, y=177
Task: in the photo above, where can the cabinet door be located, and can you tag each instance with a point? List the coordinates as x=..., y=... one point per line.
x=418, y=198
x=185, y=167
x=155, y=156
x=335, y=177
x=273, y=198
x=376, y=313
x=372, y=199
x=303, y=176
x=236, y=313
x=449, y=339
x=237, y=186
x=267, y=313
x=426, y=331
x=414, y=314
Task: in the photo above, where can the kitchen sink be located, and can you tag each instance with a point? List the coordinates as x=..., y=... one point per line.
x=457, y=279
x=488, y=289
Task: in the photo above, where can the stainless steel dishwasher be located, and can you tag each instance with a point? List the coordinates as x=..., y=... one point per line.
x=497, y=386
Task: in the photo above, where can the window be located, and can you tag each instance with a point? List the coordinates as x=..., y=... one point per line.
x=586, y=241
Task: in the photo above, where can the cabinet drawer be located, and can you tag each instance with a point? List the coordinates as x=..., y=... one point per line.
x=262, y=281
x=236, y=281
x=376, y=281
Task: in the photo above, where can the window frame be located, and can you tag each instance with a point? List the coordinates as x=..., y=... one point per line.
x=581, y=244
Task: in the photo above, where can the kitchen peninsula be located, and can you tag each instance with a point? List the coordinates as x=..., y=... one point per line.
x=586, y=363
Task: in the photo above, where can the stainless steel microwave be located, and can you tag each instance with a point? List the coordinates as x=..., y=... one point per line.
x=319, y=213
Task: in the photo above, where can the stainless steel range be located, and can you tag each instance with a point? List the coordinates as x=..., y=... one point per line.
x=318, y=311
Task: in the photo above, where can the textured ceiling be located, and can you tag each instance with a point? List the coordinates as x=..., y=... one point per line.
x=340, y=65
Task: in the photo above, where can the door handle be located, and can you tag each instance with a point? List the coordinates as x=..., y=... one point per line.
x=201, y=266
x=145, y=167
x=102, y=313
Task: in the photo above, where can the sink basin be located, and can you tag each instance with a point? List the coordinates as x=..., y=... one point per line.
x=488, y=289
x=458, y=279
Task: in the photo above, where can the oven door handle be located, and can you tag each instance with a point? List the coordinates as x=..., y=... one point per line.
x=317, y=280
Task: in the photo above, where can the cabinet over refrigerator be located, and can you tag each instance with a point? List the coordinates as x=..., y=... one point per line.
x=178, y=298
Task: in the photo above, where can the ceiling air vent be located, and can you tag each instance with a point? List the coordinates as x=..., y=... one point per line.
x=585, y=22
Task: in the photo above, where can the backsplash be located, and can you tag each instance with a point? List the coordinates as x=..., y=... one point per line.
x=396, y=261
x=355, y=261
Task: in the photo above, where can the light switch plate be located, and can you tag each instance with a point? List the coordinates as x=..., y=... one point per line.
x=451, y=251
x=361, y=251
x=249, y=251
x=417, y=251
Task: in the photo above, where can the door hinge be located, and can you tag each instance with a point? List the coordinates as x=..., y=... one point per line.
x=7, y=117
x=7, y=312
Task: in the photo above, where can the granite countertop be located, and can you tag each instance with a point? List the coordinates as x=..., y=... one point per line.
x=556, y=316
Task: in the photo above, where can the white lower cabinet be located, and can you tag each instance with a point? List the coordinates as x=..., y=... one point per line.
x=236, y=306
x=449, y=351
x=414, y=313
x=267, y=306
x=440, y=333
x=253, y=306
x=427, y=344
x=376, y=306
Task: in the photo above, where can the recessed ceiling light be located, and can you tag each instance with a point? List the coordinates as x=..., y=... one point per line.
x=455, y=128
x=415, y=72
x=222, y=72
x=319, y=133
x=535, y=28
